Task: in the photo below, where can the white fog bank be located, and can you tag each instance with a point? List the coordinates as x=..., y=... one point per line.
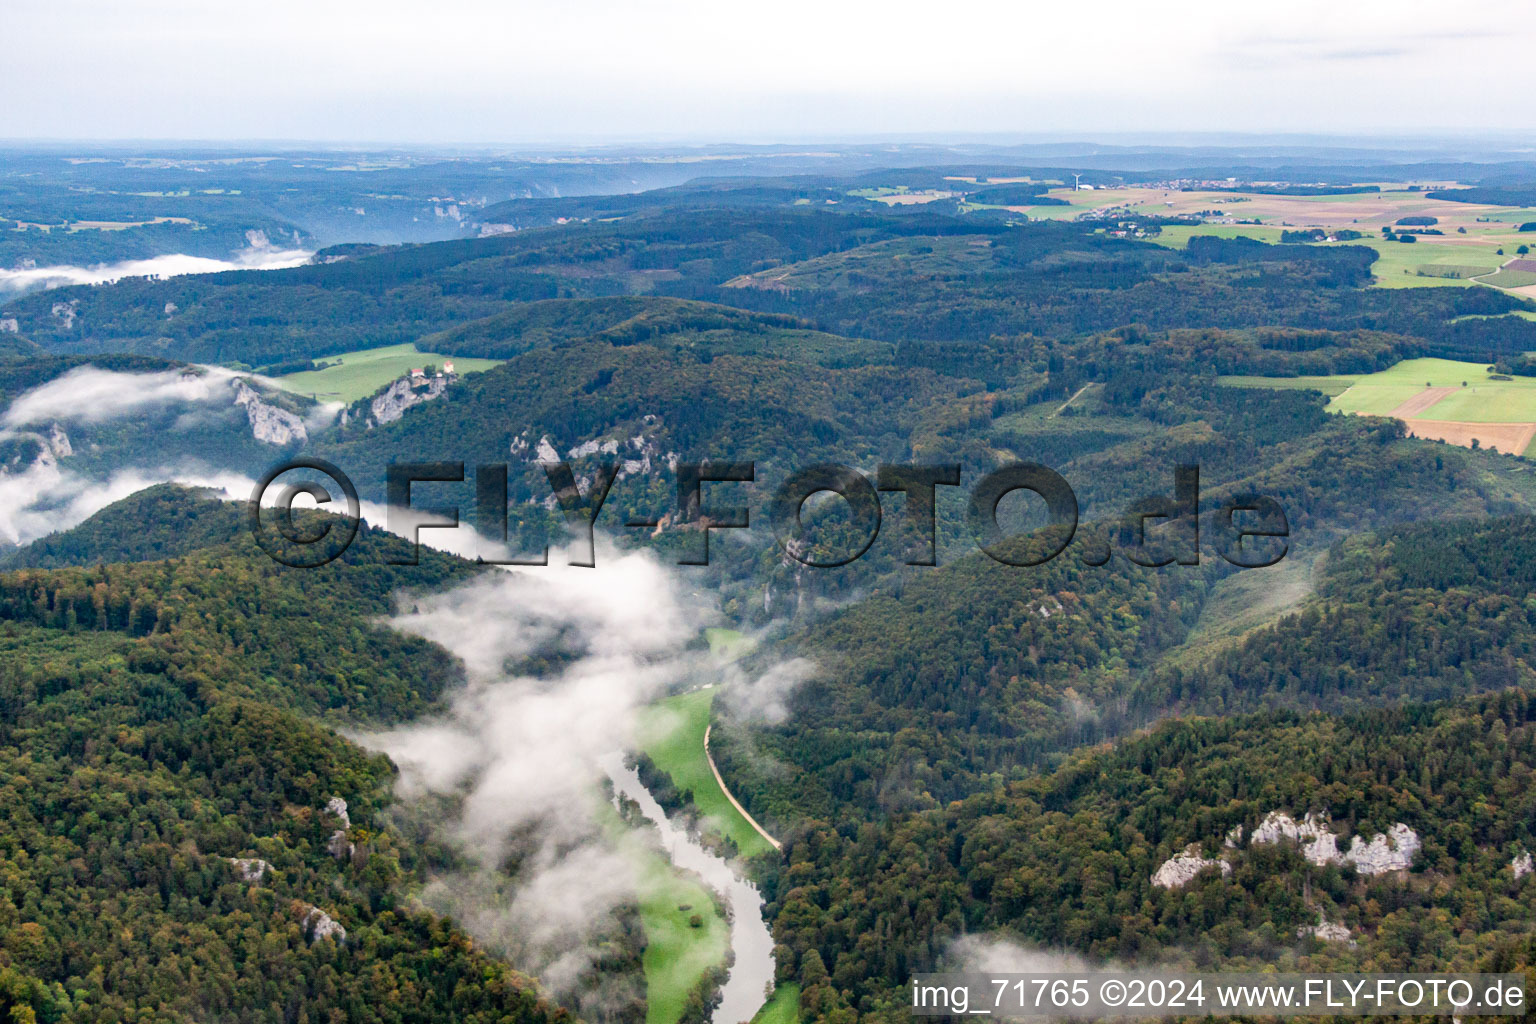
x=172, y=265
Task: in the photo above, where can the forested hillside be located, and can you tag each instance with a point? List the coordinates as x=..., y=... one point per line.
x=1066, y=860
x=170, y=778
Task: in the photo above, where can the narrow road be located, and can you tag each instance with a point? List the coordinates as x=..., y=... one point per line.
x=732, y=797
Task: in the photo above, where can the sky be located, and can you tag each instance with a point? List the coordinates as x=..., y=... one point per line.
x=593, y=71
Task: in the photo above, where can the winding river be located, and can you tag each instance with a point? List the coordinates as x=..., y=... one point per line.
x=745, y=989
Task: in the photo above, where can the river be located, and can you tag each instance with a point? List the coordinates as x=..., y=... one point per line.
x=745, y=989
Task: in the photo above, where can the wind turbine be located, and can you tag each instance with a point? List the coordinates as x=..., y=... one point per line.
x=1075, y=179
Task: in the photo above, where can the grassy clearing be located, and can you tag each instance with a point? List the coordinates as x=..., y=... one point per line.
x=783, y=1008
x=728, y=644
x=1246, y=601
x=1372, y=399
x=1329, y=386
x=676, y=953
x=1524, y=314
x=359, y=374
x=672, y=734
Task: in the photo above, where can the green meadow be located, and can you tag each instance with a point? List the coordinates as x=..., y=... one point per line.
x=355, y=375
x=1177, y=236
x=1329, y=386
x=672, y=734
x=1419, y=264
x=783, y=1008
x=676, y=953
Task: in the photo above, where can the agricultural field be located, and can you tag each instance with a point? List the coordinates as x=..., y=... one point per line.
x=1177, y=236
x=1476, y=239
x=1439, y=399
x=354, y=375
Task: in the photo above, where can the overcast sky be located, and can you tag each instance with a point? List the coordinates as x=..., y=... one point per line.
x=725, y=70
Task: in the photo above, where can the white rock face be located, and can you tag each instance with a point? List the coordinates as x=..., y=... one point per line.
x=58, y=442
x=339, y=846
x=391, y=404
x=1176, y=872
x=1521, y=865
x=1319, y=844
x=9, y=325
x=1328, y=931
x=321, y=925
x=337, y=806
x=544, y=452
x=1393, y=851
x=269, y=424
x=250, y=869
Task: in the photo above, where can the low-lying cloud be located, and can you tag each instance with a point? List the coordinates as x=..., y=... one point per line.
x=45, y=498
x=28, y=279
x=89, y=394
x=558, y=660
x=517, y=755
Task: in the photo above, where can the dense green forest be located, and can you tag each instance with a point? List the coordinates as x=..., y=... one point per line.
x=1064, y=860
x=157, y=725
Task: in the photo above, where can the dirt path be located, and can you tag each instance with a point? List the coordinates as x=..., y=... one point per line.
x=1069, y=401
x=1421, y=402
x=732, y=797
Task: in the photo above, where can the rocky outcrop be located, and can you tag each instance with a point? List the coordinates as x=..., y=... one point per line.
x=317, y=924
x=250, y=869
x=58, y=442
x=1177, y=872
x=1393, y=850
x=637, y=454
x=1521, y=865
x=9, y=325
x=544, y=452
x=1317, y=842
x=1327, y=931
x=339, y=846
x=269, y=424
x=391, y=403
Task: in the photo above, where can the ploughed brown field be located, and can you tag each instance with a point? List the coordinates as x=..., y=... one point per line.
x=1420, y=402
x=1509, y=438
